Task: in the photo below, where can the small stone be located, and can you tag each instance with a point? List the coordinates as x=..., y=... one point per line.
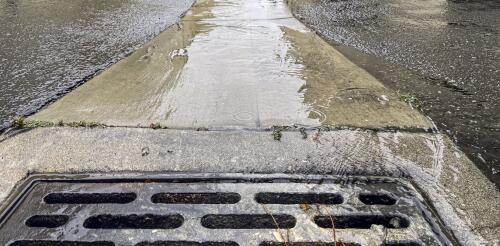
x=145, y=151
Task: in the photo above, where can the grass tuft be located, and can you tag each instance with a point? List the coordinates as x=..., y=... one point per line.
x=20, y=122
x=277, y=135
x=411, y=99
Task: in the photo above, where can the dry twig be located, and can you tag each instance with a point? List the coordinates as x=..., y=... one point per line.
x=277, y=226
x=334, y=231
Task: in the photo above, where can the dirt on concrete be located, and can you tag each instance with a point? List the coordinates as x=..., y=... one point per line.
x=444, y=54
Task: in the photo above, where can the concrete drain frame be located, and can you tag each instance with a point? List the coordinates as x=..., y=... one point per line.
x=218, y=210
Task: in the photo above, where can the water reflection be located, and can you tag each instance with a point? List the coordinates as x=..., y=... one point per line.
x=235, y=76
x=236, y=64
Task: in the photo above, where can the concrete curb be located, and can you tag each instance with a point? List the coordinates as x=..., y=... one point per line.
x=466, y=201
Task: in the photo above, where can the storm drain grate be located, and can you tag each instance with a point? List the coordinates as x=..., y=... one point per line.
x=219, y=210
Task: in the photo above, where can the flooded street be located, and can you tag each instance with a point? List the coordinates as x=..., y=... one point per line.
x=49, y=46
x=445, y=54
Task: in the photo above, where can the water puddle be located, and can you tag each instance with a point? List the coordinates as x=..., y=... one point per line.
x=236, y=64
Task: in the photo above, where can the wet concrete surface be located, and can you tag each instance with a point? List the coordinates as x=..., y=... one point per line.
x=466, y=201
x=48, y=47
x=232, y=68
x=443, y=52
x=236, y=64
x=190, y=208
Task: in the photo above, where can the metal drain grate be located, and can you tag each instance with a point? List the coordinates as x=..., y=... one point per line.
x=219, y=210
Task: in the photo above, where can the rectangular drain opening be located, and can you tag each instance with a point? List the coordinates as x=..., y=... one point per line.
x=339, y=243
x=216, y=210
x=47, y=221
x=248, y=221
x=298, y=198
x=89, y=198
x=402, y=244
x=186, y=243
x=133, y=221
x=196, y=198
x=362, y=221
x=377, y=199
x=59, y=243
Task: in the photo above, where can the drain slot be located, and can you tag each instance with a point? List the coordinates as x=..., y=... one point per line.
x=217, y=210
x=196, y=198
x=47, y=221
x=186, y=243
x=362, y=221
x=307, y=244
x=377, y=199
x=248, y=221
x=298, y=198
x=59, y=243
x=89, y=198
x=402, y=244
x=133, y=221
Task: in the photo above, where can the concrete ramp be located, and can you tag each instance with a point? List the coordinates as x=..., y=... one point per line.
x=236, y=64
x=233, y=69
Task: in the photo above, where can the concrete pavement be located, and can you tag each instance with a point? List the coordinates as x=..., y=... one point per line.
x=466, y=201
x=443, y=52
x=235, y=68
x=240, y=65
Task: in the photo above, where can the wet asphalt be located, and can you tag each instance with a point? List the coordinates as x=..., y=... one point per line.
x=443, y=52
x=48, y=47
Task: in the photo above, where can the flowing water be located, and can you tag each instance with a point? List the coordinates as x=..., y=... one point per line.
x=236, y=64
x=49, y=46
x=448, y=58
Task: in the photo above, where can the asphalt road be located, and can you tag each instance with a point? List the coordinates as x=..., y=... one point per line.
x=48, y=47
x=444, y=53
